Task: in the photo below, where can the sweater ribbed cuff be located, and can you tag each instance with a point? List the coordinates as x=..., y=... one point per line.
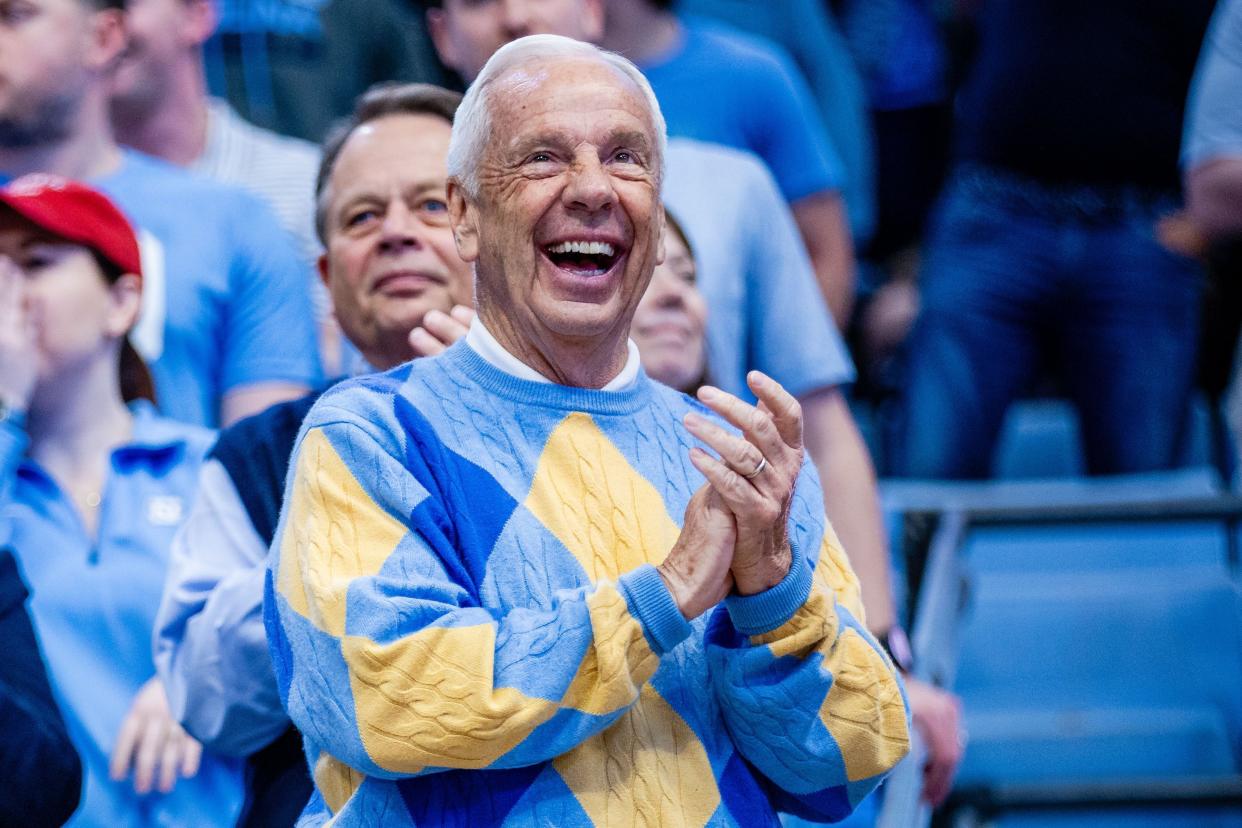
x=765, y=611
x=653, y=605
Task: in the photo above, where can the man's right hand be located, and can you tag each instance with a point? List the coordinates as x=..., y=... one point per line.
x=696, y=571
x=19, y=364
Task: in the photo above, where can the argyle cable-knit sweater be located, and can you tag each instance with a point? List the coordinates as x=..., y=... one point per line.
x=468, y=628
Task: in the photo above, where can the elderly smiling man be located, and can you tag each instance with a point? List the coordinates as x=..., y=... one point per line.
x=520, y=583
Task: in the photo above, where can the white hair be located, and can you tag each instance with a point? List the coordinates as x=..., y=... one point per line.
x=472, y=124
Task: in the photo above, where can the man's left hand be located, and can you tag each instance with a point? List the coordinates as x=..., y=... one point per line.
x=755, y=474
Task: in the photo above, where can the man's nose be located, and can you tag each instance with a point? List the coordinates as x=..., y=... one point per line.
x=516, y=17
x=400, y=228
x=589, y=186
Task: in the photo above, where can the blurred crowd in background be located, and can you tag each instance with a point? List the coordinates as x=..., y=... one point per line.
x=911, y=213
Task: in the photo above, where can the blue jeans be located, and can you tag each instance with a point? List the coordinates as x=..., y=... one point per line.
x=1019, y=276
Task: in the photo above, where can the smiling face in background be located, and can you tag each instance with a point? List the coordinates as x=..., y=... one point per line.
x=390, y=254
x=78, y=317
x=670, y=325
x=566, y=225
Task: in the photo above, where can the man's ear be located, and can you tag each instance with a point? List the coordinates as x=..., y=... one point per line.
x=201, y=18
x=106, y=39
x=126, y=295
x=464, y=219
x=321, y=264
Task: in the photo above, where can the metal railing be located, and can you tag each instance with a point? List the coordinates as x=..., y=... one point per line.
x=938, y=521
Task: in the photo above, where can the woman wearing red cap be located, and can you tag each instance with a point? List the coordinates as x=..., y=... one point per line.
x=93, y=485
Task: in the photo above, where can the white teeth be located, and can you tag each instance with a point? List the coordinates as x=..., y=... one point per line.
x=588, y=248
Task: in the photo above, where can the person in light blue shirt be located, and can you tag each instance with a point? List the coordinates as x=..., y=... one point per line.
x=766, y=312
x=93, y=485
x=227, y=324
x=234, y=315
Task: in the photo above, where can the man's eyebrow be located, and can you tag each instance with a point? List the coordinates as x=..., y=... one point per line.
x=632, y=138
x=521, y=146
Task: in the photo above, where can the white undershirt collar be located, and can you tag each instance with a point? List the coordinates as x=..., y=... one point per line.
x=481, y=341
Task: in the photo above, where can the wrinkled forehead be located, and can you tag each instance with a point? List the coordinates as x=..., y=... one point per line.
x=572, y=88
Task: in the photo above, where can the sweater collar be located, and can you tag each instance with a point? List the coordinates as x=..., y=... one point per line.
x=480, y=339
x=543, y=393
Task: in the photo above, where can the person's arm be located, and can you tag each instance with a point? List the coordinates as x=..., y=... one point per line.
x=210, y=644
x=825, y=231
x=270, y=342
x=792, y=140
x=1214, y=196
x=243, y=401
x=1213, y=151
x=852, y=504
x=39, y=767
x=851, y=498
x=385, y=658
x=820, y=49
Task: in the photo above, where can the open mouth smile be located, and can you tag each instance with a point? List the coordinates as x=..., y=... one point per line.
x=583, y=258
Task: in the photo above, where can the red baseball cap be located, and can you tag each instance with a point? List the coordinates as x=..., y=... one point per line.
x=77, y=213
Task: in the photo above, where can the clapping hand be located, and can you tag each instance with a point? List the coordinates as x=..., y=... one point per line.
x=697, y=570
x=754, y=475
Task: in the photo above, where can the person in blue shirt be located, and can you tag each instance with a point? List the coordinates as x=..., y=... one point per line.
x=227, y=325
x=809, y=33
x=718, y=84
x=93, y=484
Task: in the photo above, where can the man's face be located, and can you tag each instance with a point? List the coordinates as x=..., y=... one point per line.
x=161, y=34
x=390, y=255
x=467, y=32
x=566, y=227
x=44, y=50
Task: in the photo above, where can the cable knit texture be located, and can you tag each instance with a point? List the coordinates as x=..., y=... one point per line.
x=468, y=629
